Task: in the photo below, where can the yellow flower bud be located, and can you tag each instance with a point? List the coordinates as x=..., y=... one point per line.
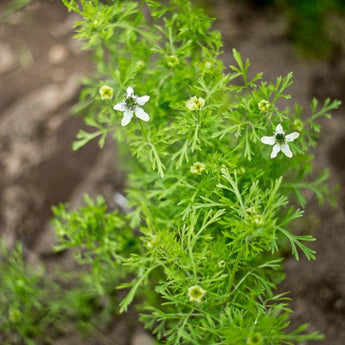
x=15, y=315
x=298, y=124
x=264, y=105
x=196, y=293
x=255, y=339
x=106, y=92
x=172, y=60
x=195, y=103
x=197, y=168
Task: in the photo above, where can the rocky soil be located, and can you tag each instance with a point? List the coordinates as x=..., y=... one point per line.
x=40, y=69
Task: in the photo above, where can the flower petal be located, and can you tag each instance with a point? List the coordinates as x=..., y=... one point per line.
x=130, y=92
x=268, y=140
x=286, y=150
x=142, y=100
x=279, y=129
x=291, y=136
x=120, y=106
x=127, y=117
x=140, y=113
x=275, y=150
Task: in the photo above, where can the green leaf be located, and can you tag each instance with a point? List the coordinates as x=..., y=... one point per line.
x=83, y=138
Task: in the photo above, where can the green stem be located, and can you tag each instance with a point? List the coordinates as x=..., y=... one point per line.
x=144, y=132
x=233, y=274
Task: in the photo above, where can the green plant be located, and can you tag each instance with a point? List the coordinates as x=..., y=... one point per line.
x=209, y=202
x=23, y=298
x=36, y=305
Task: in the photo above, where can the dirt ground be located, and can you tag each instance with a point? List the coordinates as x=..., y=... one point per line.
x=40, y=69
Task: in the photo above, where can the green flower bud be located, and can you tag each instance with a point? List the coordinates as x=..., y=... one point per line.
x=15, y=315
x=197, y=168
x=140, y=64
x=255, y=339
x=172, y=60
x=264, y=105
x=298, y=124
x=195, y=103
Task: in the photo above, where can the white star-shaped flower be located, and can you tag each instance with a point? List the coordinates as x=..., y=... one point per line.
x=280, y=140
x=131, y=105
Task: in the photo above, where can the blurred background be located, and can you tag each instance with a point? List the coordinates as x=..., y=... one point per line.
x=40, y=70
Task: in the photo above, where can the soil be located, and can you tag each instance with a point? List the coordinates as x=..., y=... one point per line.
x=40, y=69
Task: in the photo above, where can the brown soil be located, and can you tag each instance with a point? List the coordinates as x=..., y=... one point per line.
x=40, y=68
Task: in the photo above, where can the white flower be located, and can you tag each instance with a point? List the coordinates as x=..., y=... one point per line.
x=130, y=105
x=280, y=140
x=196, y=293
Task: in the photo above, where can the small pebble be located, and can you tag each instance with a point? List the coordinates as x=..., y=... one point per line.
x=57, y=54
x=7, y=59
x=142, y=338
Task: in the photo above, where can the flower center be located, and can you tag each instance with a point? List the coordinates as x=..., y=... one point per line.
x=196, y=293
x=131, y=102
x=280, y=138
x=198, y=167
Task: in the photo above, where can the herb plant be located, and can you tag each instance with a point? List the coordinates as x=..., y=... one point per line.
x=20, y=296
x=210, y=203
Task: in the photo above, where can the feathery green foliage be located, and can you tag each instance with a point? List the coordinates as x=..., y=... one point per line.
x=218, y=228
x=210, y=205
